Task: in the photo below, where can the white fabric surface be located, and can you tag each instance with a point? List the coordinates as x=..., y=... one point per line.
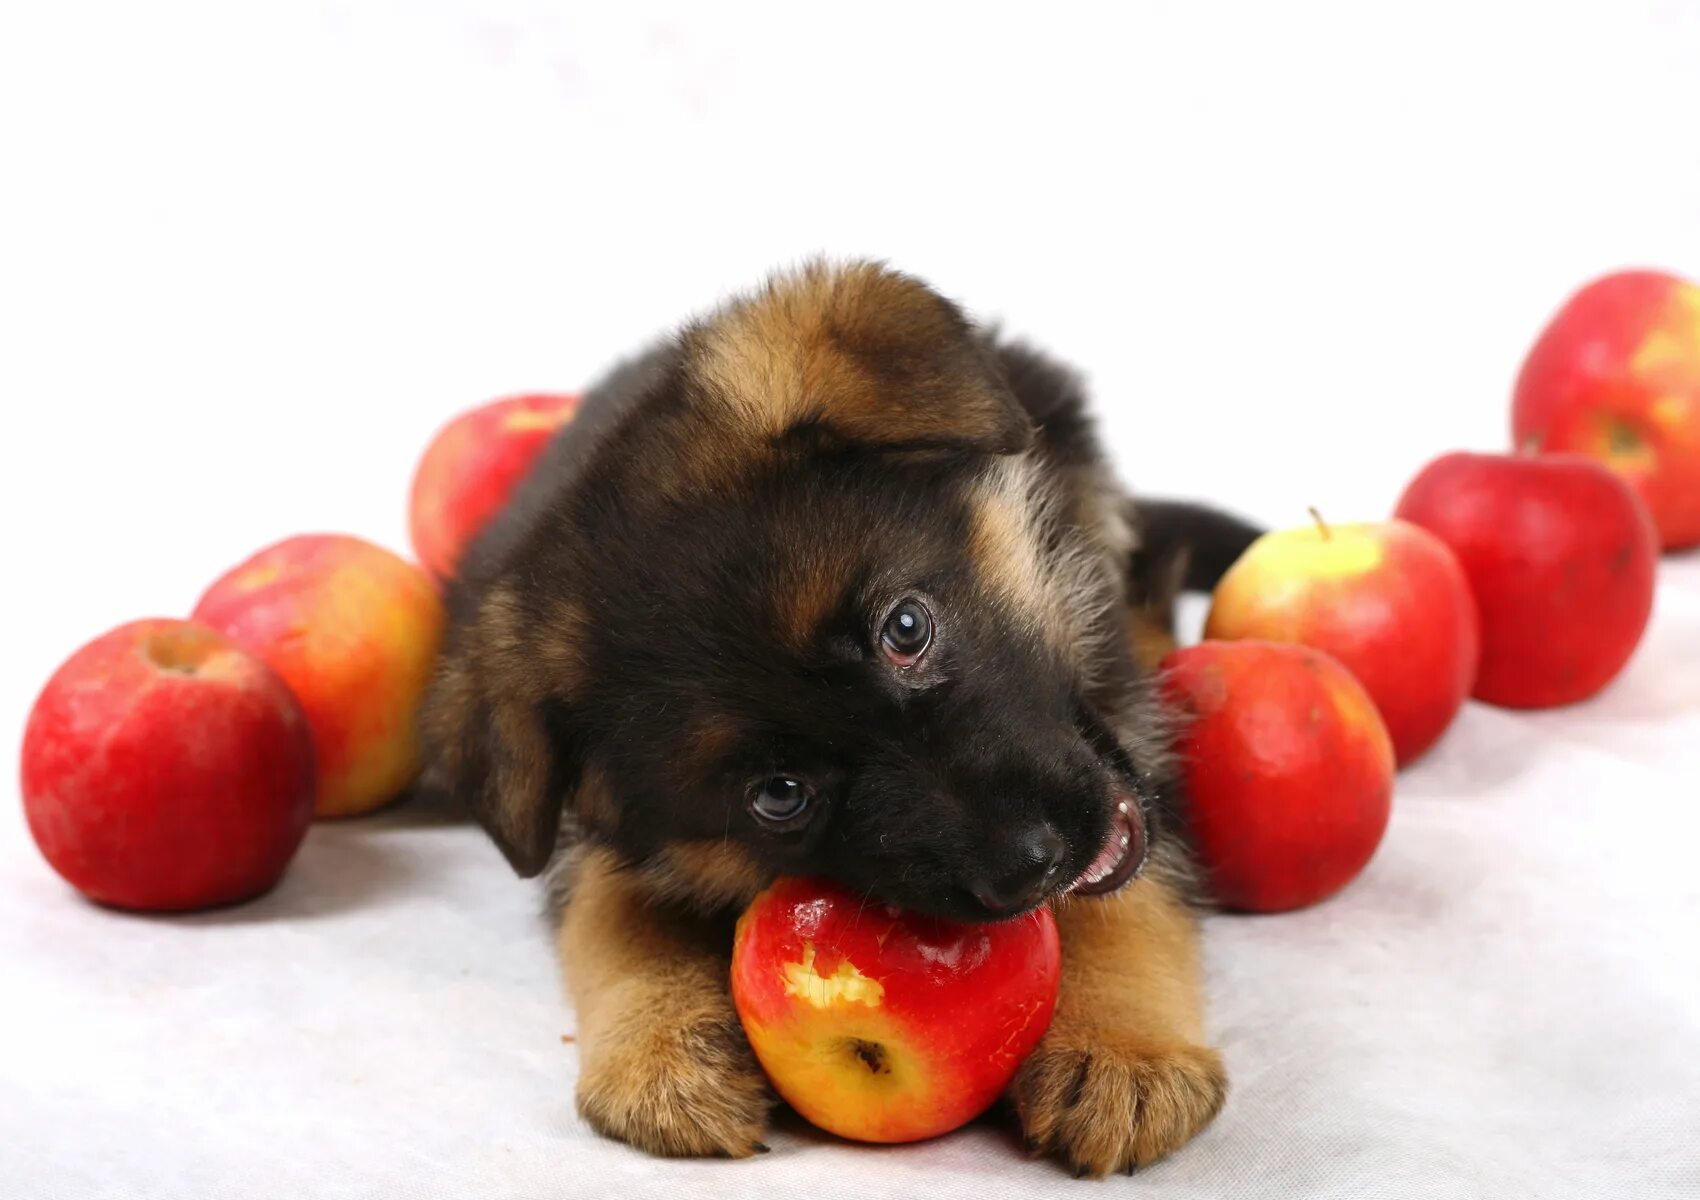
x=1504, y=1004
x=251, y=254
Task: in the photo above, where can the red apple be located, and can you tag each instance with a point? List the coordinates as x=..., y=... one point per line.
x=1390, y=601
x=471, y=467
x=882, y=1025
x=1616, y=375
x=1561, y=556
x=1289, y=770
x=164, y=768
x=353, y=630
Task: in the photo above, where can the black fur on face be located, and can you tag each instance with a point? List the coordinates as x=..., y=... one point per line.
x=759, y=603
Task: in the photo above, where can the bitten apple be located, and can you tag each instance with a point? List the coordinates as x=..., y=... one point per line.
x=886, y=1026
x=471, y=468
x=165, y=768
x=1388, y=600
x=1289, y=770
x=1616, y=375
x=1561, y=556
x=353, y=630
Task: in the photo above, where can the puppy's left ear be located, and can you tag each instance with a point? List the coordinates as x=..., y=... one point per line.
x=494, y=735
x=938, y=397
x=860, y=355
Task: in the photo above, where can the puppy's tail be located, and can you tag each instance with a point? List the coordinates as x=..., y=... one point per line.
x=1181, y=548
x=1184, y=547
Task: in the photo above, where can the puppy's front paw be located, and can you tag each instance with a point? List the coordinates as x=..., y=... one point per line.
x=1110, y=1102
x=687, y=1090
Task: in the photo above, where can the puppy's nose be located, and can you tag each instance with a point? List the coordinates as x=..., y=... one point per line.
x=1039, y=850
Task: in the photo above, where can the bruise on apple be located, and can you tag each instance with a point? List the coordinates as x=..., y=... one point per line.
x=870, y=1054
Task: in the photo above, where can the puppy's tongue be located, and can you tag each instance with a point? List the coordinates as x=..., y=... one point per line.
x=1123, y=853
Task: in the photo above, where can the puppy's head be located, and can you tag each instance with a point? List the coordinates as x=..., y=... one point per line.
x=814, y=605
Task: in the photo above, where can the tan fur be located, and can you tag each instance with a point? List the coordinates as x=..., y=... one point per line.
x=868, y=352
x=560, y=648
x=711, y=875
x=1151, y=636
x=813, y=578
x=519, y=777
x=1123, y=1075
x=1056, y=592
x=1002, y=544
x=453, y=697
x=1103, y=512
x=1151, y=609
x=593, y=804
x=663, y=1062
x=541, y=655
x=710, y=737
x=514, y=791
x=489, y=692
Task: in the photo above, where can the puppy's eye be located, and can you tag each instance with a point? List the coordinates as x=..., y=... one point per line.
x=907, y=633
x=780, y=799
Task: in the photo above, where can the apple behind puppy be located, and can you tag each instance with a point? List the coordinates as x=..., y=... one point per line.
x=165, y=768
x=1616, y=375
x=1389, y=600
x=1561, y=556
x=1289, y=770
x=353, y=630
x=471, y=468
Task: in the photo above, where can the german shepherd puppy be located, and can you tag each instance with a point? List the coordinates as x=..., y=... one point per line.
x=835, y=583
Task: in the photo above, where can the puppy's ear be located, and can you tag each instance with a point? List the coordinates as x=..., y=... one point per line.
x=938, y=397
x=863, y=355
x=495, y=731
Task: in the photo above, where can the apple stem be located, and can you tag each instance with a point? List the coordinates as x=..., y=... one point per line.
x=1321, y=525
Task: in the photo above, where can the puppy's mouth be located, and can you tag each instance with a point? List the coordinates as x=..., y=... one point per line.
x=1122, y=854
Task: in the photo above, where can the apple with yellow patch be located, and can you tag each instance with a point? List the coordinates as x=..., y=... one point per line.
x=1616, y=375
x=353, y=630
x=471, y=468
x=884, y=1025
x=1389, y=600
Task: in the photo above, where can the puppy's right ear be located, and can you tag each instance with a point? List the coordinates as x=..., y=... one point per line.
x=494, y=733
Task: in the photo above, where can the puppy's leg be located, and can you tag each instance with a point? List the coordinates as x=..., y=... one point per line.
x=663, y=1063
x=1123, y=1076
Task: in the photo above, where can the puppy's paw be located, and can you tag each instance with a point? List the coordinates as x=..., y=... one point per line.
x=686, y=1090
x=1111, y=1102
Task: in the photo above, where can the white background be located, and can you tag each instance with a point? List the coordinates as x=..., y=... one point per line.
x=251, y=255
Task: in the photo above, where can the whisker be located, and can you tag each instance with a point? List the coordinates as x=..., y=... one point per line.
x=865, y=897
